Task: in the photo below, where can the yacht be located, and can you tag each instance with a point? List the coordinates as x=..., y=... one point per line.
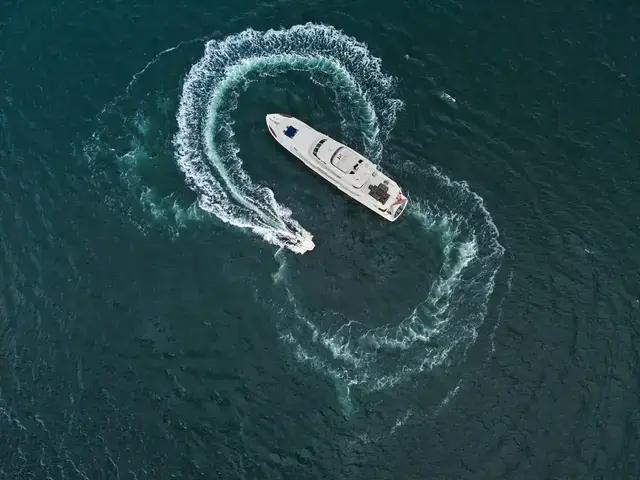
x=342, y=166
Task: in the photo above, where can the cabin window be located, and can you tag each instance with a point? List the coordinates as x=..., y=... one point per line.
x=317, y=147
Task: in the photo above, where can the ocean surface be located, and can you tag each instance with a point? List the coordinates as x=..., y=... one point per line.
x=160, y=319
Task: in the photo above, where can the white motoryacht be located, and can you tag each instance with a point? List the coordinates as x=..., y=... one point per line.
x=345, y=168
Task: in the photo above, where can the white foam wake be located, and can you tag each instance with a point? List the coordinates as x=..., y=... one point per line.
x=446, y=320
x=454, y=303
x=205, y=149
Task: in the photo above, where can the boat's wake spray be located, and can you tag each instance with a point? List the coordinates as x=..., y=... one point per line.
x=454, y=304
x=205, y=112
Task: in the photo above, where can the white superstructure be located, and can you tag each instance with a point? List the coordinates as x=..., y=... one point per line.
x=345, y=168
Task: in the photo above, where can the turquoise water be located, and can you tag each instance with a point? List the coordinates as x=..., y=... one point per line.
x=159, y=318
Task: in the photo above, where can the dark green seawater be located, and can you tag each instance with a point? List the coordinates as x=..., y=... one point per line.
x=160, y=319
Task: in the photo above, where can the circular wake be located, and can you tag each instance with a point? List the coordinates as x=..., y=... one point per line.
x=450, y=301
x=205, y=137
x=439, y=328
x=351, y=351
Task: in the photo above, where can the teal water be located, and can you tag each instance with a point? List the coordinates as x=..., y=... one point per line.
x=158, y=318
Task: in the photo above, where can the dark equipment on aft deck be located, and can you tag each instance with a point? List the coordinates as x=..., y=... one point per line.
x=379, y=192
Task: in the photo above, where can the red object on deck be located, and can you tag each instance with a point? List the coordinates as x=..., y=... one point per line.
x=285, y=115
x=399, y=199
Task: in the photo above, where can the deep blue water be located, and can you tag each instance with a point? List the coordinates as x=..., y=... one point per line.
x=158, y=320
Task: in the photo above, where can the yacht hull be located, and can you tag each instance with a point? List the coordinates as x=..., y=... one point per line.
x=340, y=165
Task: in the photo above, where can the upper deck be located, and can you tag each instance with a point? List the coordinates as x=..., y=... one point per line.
x=352, y=167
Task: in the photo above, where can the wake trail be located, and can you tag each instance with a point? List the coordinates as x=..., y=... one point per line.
x=205, y=147
x=452, y=306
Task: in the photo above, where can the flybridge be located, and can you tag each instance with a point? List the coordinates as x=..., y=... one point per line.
x=345, y=160
x=327, y=147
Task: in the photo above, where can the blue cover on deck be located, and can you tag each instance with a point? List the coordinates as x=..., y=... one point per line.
x=290, y=131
